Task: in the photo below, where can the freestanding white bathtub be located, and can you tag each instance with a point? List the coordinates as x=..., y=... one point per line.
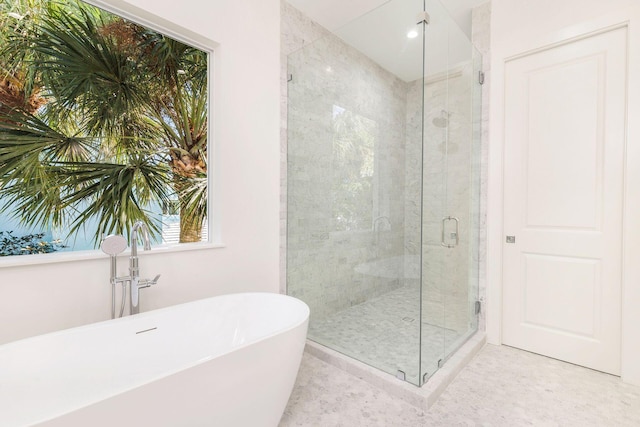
x=225, y=361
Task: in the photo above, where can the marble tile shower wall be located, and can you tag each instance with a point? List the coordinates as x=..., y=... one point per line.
x=328, y=255
x=296, y=31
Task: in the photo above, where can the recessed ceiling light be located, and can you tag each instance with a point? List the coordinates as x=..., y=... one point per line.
x=412, y=34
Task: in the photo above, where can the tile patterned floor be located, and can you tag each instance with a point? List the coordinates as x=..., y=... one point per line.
x=384, y=332
x=502, y=386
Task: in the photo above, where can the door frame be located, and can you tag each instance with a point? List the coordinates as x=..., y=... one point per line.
x=505, y=50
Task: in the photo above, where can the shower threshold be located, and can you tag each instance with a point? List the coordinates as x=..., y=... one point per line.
x=420, y=397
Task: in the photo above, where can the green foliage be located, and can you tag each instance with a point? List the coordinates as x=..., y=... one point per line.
x=114, y=118
x=354, y=138
x=26, y=245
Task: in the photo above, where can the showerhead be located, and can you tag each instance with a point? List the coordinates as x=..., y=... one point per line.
x=442, y=121
x=113, y=244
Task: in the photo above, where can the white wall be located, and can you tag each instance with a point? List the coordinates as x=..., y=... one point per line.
x=35, y=299
x=518, y=26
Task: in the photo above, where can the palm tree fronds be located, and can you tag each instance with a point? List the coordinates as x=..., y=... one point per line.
x=101, y=119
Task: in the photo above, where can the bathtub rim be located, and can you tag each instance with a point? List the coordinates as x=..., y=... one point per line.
x=148, y=313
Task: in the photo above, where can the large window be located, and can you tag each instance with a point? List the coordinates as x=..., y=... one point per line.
x=103, y=122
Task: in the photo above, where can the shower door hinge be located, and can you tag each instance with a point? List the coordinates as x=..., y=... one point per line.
x=478, y=306
x=423, y=17
x=480, y=77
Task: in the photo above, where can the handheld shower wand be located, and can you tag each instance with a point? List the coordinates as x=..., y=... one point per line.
x=113, y=245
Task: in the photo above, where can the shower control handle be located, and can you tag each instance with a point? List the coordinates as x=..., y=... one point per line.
x=145, y=283
x=457, y=233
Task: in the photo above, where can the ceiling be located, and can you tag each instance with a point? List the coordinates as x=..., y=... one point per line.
x=378, y=28
x=333, y=14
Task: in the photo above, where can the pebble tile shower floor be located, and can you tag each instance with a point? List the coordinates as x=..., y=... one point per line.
x=384, y=332
x=502, y=386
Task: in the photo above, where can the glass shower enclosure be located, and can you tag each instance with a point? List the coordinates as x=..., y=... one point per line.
x=383, y=187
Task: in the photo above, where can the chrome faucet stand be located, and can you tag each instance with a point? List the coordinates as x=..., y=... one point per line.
x=115, y=244
x=134, y=271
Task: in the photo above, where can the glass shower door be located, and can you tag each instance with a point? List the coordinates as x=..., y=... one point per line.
x=451, y=201
x=462, y=190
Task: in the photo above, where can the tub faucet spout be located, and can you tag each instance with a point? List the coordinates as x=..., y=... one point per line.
x=134, y=270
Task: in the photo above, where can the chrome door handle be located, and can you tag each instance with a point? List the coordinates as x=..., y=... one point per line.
x=457, y=229
x=442, y=239
x=444, y=221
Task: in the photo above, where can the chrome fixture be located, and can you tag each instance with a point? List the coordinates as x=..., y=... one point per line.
x=454, y=236
x=423, y=17
x=377, y=221
x=134, y=271
x=113, y=245
x=378, y=226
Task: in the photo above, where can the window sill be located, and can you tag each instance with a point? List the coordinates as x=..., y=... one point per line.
x=54, y=258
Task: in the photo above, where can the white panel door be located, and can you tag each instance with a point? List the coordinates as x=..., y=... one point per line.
x=564, y=152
